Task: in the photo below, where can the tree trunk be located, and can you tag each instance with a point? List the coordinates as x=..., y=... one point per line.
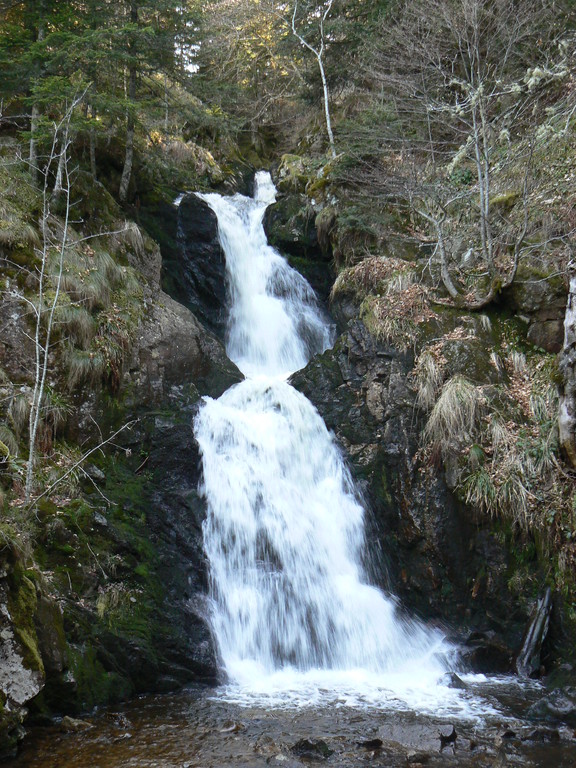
x=62, y=159
x=128, y=160
x=130, y=121
x=45, y=315
x=33, y=149
x=92, y=150
x=326, y=106
x=35, y=111
x=319, y=54
x=567, y=403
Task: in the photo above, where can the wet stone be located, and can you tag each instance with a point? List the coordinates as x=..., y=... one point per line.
x=542, y=734
x=371, y=744
x=73, y=725
x=417, y=758
x=314, y=750
x=559, y=705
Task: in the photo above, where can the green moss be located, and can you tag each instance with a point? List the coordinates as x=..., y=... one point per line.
x=505, y=201
x=95, y=684
x=24, y=256
x=385, y=492
x=22, y=603
x=293, y=176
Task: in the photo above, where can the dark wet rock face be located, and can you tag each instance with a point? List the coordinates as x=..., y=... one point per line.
x=440, y=562
x=202, y=271
x=175, y=518
x=540, y=298
x=290, y=226
x=311, y=750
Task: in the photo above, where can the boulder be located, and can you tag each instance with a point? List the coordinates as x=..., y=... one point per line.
x=202, y=271
x=173, y=350
x=539, y=296
x=557, y=706
x=290, y=226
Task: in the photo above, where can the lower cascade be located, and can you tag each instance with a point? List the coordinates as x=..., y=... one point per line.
x=291, y=609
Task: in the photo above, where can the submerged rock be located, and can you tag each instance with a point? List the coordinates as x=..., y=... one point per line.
x=313, y=750
x=74, y=725
x=557, y=706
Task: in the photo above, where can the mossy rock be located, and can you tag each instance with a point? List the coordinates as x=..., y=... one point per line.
x=94, y=205
x=97, y=685
x=290, y=225
x=11, y=731
x=292, y=174
x=22, y=604
x=504, y=202
x=537, y=289
x=470, y=358
x=326, y=223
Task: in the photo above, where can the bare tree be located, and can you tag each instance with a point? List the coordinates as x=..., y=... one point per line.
x=318, y=50
x=44, y=308
x=567, y=400
x=56, y=238
x=454, y=71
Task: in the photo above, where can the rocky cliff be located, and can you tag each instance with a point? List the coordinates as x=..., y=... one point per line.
x=101, y=589
x=448, y=419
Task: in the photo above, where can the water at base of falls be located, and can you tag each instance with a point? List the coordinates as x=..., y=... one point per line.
x=292, y=613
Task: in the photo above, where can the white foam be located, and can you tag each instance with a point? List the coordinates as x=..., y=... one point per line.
x=293, y=613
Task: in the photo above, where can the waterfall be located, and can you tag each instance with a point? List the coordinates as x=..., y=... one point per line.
x=275, y=323
x=284, y=532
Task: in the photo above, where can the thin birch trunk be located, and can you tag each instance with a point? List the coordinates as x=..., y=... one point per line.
x=319, y=54
x=42, y=347
x=567, y=401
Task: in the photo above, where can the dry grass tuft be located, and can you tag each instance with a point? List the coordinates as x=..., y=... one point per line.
x=89, y=277
x=517, y=475
x=9, y=440
x=19, y=412
x=14, y=233
x=127, y=236
x=453, y=419
x=395, y=317
x=77, y=324
x=84, y=367
x=371, y=276
x=428, y=376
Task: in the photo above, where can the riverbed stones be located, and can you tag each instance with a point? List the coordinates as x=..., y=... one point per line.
x=557, y=706
x=74, y=725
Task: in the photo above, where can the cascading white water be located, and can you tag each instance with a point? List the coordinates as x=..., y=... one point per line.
x=284, y=530
x=274, y=323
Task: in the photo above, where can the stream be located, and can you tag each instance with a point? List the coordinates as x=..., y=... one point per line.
x=319, y=665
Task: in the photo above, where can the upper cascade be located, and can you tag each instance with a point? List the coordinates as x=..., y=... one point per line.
x=275, y=322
